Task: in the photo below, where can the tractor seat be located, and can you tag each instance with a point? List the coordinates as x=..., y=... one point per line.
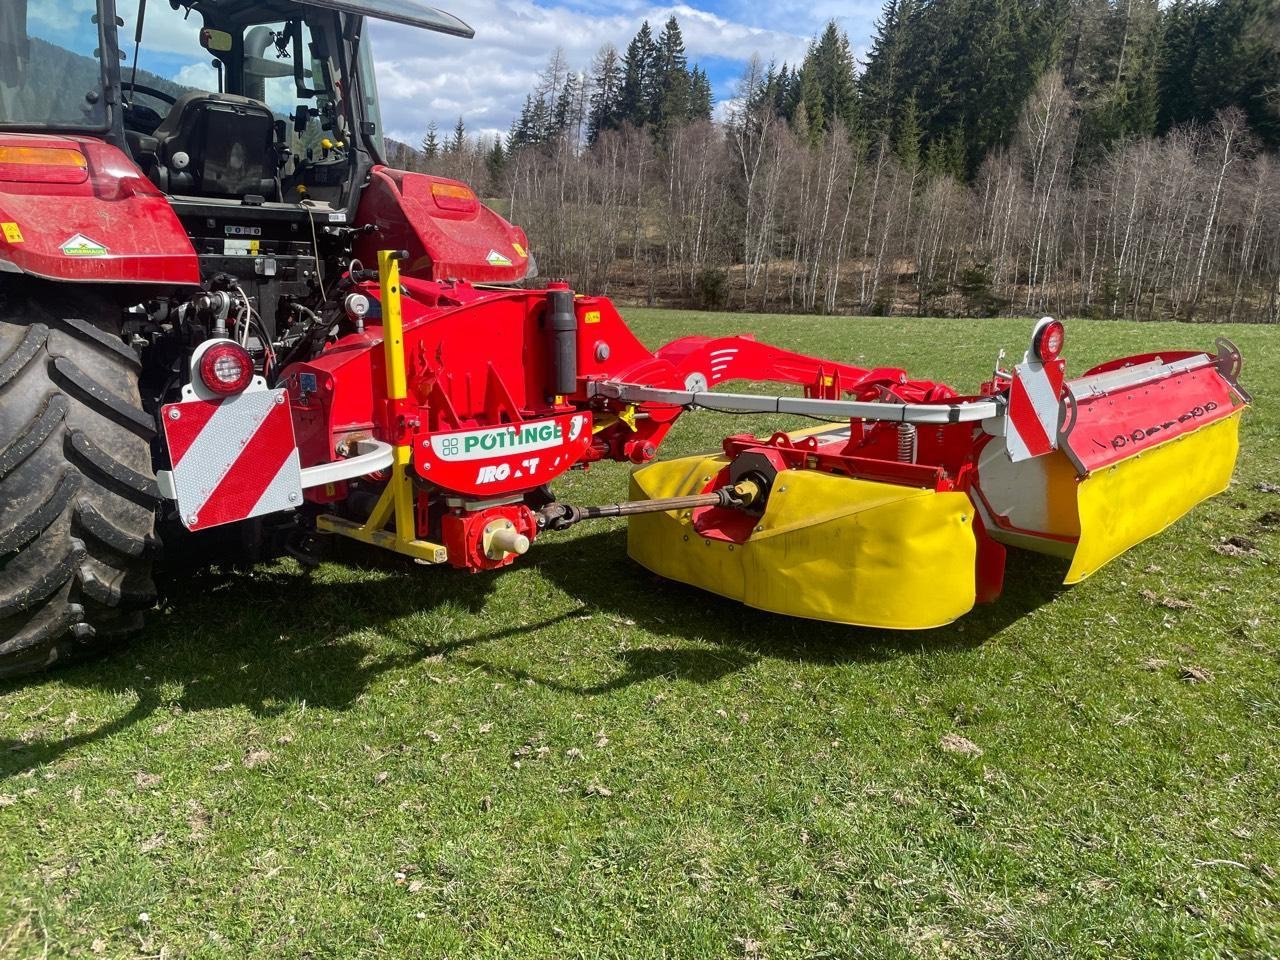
x=216, y=145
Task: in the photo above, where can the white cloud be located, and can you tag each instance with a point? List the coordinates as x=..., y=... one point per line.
x=425, y=76
x=46, y=17
x=198, y=76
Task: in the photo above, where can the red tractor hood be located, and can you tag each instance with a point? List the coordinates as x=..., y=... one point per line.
x=75, y=208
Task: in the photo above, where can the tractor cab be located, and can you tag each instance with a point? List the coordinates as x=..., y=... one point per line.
x=257, y=111
x=221, y=99
x=257, y=120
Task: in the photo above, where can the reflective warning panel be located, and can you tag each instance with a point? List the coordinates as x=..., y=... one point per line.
x=233, y=458
x=1035, y=409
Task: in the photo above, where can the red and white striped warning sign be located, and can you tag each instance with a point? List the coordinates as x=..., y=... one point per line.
x=233, y=458
x=1035, y=409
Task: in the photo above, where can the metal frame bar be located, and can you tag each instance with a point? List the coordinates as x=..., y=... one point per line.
x=805, y=406
x=1100, y=384
x=396, y=502
x=374, y=456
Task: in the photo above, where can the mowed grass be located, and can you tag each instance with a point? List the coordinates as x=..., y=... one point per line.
x=574, y=758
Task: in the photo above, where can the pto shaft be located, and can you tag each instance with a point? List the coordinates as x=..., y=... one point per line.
x=562, y=516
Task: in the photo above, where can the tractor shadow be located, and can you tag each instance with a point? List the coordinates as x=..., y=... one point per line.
x=263, y=639
x=268, y=638
x=595, y=570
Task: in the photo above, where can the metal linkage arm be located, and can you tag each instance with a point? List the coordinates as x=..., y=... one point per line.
x=805, y=406
x=396, y=503
x=562, y=516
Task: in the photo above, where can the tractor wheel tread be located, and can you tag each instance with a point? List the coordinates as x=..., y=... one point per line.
x=31, y=521
x=123, y=411
x=115, y=587
x=75, y=459
x=92, y=522
x=34, y=434
x=30, y=345
x=143, y=486
x=38, y=571
x=128, y=623
x=53, y=622
x=84, y=330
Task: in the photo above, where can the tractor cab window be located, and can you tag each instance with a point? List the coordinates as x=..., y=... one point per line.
x=170, y=61
x=218, y=107
x=290, y=69
x=51, y=70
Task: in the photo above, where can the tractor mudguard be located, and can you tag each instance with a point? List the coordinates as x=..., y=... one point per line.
x=77, y=209
x=447, y=231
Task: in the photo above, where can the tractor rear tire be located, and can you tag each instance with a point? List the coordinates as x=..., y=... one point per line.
x=77, y=492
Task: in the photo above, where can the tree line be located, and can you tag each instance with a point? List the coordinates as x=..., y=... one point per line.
x=1095, y=157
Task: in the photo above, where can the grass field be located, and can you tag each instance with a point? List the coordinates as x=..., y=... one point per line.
x=575, y=759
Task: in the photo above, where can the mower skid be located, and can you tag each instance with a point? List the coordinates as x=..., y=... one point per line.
x=826, y=547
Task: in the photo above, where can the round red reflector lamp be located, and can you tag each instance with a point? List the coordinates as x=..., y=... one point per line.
x=1048, y=340
x=226, y=368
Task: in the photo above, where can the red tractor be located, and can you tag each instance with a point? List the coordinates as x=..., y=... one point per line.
x=226, y=324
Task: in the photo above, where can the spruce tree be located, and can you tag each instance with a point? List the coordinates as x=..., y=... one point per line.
x=494, y=162
x=906, y=139
x=787, y=93
x=637, y=85
x=669, y=106
x=563, y=117
x=459, y=139
x=1238, y=64
x=1186, y=28
x=811, y=98
x=700, y=98
x=431, y=142
x=830, y=66
x=879, y=83
x=606, y=93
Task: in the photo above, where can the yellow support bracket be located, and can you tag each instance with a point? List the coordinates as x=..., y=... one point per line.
x=396, y=503
x=605, y=420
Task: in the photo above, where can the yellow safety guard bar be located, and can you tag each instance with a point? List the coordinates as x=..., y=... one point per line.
x=396, y=502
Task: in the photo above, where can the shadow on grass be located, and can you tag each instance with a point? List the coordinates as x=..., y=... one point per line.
x=595, y=570
x=268, y=639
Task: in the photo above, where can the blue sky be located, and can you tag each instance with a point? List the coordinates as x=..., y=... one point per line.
x=424, y=77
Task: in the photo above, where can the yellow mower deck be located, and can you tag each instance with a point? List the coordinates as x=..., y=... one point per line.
x=855, y=551
x=901, y=518
x=1121, y=505
x=827, y=547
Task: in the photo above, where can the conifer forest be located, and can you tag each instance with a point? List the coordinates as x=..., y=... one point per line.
x=1108, y=158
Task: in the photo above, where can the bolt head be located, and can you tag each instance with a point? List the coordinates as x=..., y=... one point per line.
x=293, y=496
x=174, y=413
x=279, y=398
x=192, y=520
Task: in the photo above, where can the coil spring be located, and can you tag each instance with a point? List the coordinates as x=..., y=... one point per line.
x=907, y=442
